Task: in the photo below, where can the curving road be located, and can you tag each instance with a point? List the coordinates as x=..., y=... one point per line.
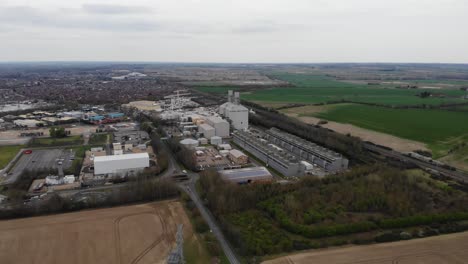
x=189, y=188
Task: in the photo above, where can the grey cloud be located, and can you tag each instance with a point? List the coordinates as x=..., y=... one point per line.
x=258, y=27
x=26, y=16
x=115, y=9
x=253, y=28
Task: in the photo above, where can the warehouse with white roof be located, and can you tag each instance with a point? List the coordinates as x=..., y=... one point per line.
x=247, y=175
x=121, y=164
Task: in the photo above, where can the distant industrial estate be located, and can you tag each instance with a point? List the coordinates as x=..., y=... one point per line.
x=217, y=137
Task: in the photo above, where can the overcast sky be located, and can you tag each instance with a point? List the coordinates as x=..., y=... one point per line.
x=235, y=30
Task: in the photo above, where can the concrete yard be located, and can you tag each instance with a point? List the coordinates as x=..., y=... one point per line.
x=12, y=137
x=444, y=249
x=142, y=233
x=41, y=159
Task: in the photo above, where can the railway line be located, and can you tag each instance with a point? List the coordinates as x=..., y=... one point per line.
x=454, y=174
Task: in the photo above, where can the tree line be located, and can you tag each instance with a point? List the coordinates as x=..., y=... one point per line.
x=259, y=219
x=143, y=190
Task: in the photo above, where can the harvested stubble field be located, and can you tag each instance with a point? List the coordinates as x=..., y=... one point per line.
x=445, y=249
x=142, y=233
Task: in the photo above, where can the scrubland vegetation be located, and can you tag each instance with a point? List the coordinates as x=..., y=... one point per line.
x=367, y=204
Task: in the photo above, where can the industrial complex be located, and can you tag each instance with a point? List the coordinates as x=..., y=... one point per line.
x=214, y=137
x=217, y=137
x=288, y=154
x=208, y=132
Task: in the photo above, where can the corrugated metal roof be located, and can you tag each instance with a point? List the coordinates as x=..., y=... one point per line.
x=206, y=127
x=236, y=153
x=246, y=173
x=121, y=157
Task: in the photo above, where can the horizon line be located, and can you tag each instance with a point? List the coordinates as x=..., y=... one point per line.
x=201, y=62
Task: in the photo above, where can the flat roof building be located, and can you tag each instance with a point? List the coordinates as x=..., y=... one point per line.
x=207, y=130
x=121, y=164
x=216, y=140
x=238, y=157
x=220, y=125
x=247, y=175
x=285, y=163
x=323, y=157
x=30, y=123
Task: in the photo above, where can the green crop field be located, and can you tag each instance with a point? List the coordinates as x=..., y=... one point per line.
x=440, y=129
x=357, y=94
x=452, y=82
x=7, y=153
x=313, y=89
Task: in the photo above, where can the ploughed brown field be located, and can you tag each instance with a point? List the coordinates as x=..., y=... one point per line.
x=444, y=249
x=129, y=234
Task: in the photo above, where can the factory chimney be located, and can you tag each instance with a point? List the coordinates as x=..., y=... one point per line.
x=236, y=98
x=230, y=99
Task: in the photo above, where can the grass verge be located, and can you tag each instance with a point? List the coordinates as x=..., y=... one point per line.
x=7, y=153
x=55, y=142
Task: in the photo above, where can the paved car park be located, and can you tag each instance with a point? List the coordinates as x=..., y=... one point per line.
x=42, y=159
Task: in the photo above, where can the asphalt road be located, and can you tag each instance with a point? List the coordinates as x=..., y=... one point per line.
x=189, y=188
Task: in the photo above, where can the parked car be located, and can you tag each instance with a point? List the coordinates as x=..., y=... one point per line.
x=28, y=151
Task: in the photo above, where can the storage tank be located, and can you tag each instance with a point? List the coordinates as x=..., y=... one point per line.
x=190, y=143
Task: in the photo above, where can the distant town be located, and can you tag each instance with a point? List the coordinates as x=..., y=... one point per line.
x=230, y=164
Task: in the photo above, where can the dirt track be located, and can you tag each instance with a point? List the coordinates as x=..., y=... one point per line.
x=396, y=143
x=445, y=249
x=129, y=234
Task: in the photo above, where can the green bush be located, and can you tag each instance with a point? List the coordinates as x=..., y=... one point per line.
x=387, y=237
x=200, y=225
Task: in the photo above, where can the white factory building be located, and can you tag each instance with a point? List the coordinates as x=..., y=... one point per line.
x=121, y=164
x=220, y=125
x=207, y=130
x=235, y=112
